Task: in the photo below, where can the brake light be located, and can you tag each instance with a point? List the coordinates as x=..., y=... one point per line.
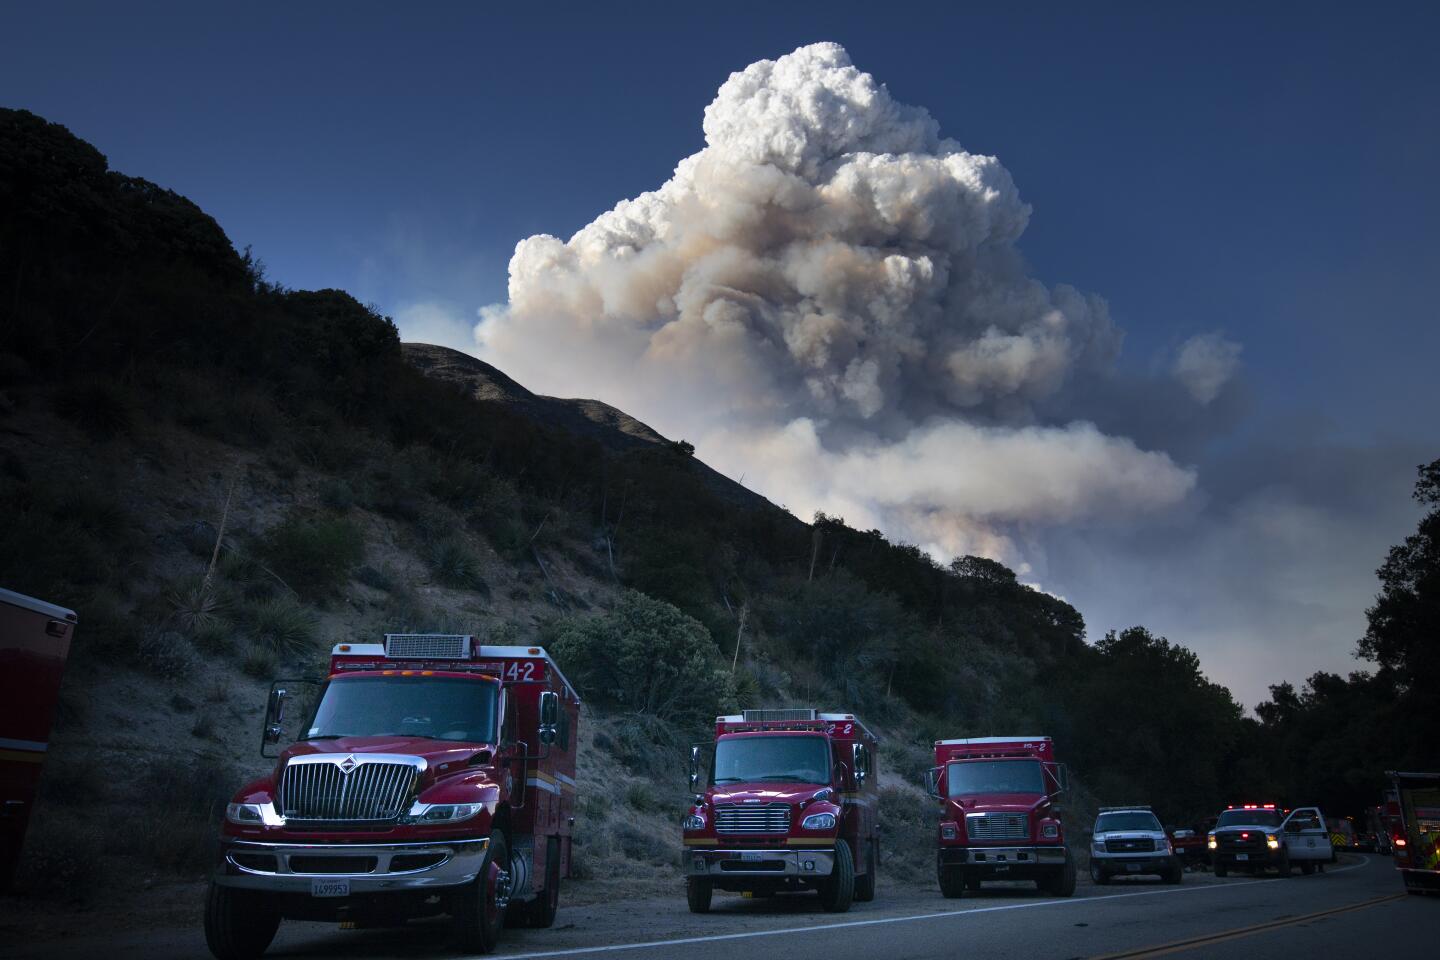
x=1399, y=841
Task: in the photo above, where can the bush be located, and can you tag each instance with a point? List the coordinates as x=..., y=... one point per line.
x=259, y=663
x=281, y=626
x=314, y=556
x=455, y=564
x=197, y=607
x=378, y=578
x=102, y=409
x=648, y=657
x=165, y=654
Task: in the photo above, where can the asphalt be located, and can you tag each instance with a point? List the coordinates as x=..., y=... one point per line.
x=1355, y=909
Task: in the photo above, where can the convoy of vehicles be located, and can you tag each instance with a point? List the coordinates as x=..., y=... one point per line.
x=1416, y=837
x=1000, y=814
x=791, y=803
x=433, y=775
x=34, y=642
x=1257, y=837
x=1129, y=841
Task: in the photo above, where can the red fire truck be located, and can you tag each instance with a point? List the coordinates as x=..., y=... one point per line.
x=34, y=642
x=1416, y=842
x=1000, y=815
x=432, y=775
x=792, y=803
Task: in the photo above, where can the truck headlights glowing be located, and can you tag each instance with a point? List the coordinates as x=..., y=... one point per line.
x=695, y=822
x=1050, y=831
x=948, y=831
x=444, y=812
x=818, y=821
x=245, y=814
x=1272, y=841
x=1211, y=842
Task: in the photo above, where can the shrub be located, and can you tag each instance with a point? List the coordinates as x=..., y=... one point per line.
x=455, y=564
x=259, y=663
x=646, y=656
x=314, y=556
x=164, y=653
x=103, y=410
x=640, y=796
x=378, y=578
x=281, y=626
x=196, y=606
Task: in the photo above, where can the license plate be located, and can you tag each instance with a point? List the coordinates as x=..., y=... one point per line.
x=1002, y=868
x=329, y=888
x=1242, y=856
x=752, y=856
x=1133, y=867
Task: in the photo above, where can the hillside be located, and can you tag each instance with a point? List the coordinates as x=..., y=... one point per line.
x=224, y=477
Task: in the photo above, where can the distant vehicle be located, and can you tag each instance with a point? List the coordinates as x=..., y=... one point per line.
x=1376, y=830
x=434, y=775
x=792, y=803
x=1189, y=842
x=1255, y=837
x=1129, y=841
x=34, y=643
x=1417, y=842
x=999, y=814
x=1342, y=833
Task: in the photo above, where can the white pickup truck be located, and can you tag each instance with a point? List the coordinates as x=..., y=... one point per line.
x=1256, y=837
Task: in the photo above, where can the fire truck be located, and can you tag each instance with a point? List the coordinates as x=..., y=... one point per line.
x=791, y=803
x=432, y=775
x=1416, y=841
x=34, y=642
x=1000, y=814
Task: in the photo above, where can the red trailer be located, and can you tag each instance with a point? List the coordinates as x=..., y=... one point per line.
x=34, y=642
x=792, y=803
x=1416, y=842
x=433, y=775
x=999, y=814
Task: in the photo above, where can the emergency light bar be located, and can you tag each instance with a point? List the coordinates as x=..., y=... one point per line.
x=773, y=716
x=1133, y=806
x=428, y=646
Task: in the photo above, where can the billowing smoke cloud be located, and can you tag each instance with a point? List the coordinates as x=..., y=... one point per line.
x=1205, y=364
x=828, y=298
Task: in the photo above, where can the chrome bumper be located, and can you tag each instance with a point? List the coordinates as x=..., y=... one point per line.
x=758, y=863
x=282, y=867
x=1003, y=856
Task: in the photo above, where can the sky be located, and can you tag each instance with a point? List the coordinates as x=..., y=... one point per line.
x=1242, y=199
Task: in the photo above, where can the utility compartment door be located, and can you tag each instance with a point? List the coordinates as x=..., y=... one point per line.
x=1306, y=835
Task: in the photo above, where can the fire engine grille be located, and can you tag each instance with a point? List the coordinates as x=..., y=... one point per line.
x=427, y=646
x=997, y=826
x=1137, y=845
x=752, y=818
x=324, y=792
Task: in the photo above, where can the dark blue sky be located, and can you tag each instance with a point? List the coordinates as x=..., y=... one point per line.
x=1265, y=170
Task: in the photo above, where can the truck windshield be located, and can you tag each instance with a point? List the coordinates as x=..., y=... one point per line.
x=1248, y=818
x=784, y=759
x=438, y=708
x=968, y=777
x=1110, y=822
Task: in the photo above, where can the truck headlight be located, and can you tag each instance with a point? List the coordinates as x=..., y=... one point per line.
x=948, y=831
x=1210, y=842
x=245, y=814
x=695, y=821
x=1050, y=831
x=444, y=812
x=1097, y=846
x=818, y=821
x=1272, y=841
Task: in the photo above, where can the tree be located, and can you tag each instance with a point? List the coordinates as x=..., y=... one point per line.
x=1404, y=624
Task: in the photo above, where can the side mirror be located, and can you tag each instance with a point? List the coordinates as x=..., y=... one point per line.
x=932, y=782
x=858, y=760
x=549, y=716
x=274, y=729
x=694, y=769
x=1062, y=777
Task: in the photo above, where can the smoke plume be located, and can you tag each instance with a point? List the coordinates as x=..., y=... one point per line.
x=829, y=299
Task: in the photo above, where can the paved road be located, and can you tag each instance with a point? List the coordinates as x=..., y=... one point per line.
x=1355, y=910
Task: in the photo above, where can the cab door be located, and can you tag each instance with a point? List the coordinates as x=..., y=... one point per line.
x=1306, y=835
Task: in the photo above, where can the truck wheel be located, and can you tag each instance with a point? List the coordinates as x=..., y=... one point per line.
x=838, y=889
x=1220, y=869
x=1098, y=874
x=1307, y=868
x=1062, y=882
x=480, y=915
x=541, y=912
x=1284, y=865
x=698, y=892
x=952, y=883
x=1176, y=874
x=865, y=885
x=239, y=924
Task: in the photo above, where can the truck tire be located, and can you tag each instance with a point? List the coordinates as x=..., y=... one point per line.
x=865, y=885
x=1060, y=883
x=952, y=883
x=478, y=919
x=1221, y=869
x=540, y=912
x=1176, y=873
x=698, y=893
x=1099, y=874
x=239, y=924
x=838, y=890
x=1284, y=865
x=1307, y=868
